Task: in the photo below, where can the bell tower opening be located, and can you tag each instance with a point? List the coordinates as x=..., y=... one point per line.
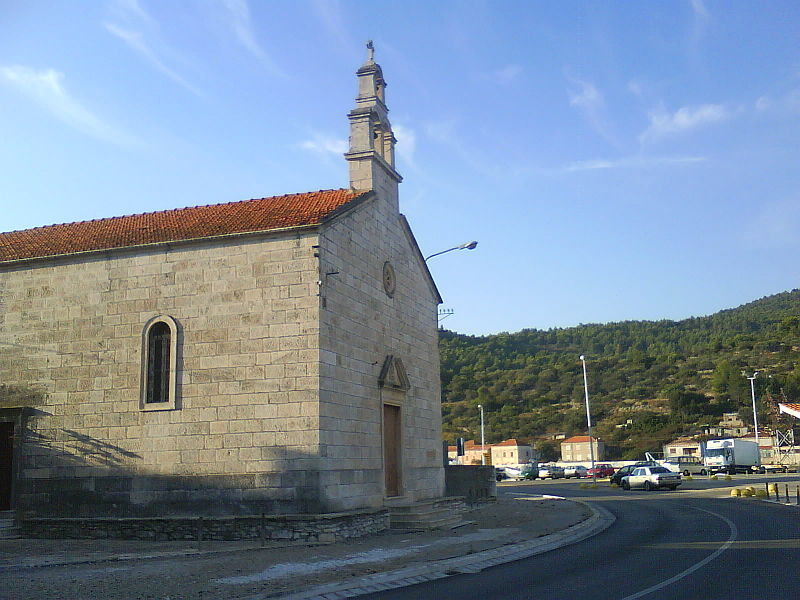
x=371, y=154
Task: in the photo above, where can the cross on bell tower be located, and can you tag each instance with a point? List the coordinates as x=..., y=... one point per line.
x=371, y=153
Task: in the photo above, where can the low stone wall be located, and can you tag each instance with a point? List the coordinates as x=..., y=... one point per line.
x=311, y=528
x=475, y=483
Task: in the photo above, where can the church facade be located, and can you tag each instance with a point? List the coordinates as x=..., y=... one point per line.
x=276, y=355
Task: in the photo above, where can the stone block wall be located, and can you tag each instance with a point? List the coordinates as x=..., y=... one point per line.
x=246, y=430
x=360, y=326
x=300, y=528
x=475, y=483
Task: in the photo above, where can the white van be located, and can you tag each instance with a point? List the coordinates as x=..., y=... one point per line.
x=685, y=465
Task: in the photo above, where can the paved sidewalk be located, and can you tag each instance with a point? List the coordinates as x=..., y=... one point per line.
x=514, y=527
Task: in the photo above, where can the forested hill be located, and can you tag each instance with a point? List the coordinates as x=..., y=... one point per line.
x=665, y=377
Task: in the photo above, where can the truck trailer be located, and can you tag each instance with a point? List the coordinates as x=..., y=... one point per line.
x=731, y=456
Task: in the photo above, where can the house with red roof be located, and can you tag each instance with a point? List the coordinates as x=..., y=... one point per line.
x=273, y=355
x=577, y=449
x=508, y=452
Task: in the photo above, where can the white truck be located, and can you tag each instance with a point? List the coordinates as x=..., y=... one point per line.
x=731, y=456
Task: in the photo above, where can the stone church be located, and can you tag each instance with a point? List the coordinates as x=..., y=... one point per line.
x=272, y=355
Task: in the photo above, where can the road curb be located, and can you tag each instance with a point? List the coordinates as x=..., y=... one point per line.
x=600, y=520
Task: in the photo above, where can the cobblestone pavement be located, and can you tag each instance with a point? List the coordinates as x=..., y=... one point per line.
x=127, y=570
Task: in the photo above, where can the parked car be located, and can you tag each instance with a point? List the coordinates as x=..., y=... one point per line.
x=575, y=471
x=551, y=471
x=513, y=472
x=774, y=469
x=687, y=465
x=628, y=469
x=651, y=478
x=529, y=472
x=500, y=474
x=601, y=470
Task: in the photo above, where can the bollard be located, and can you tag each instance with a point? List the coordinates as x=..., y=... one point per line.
x=787, y=493
x=766, y=486
x=797, y=491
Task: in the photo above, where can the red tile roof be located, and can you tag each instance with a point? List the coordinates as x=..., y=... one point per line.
x=577, y=439
x=262, y=214
x=510, y=442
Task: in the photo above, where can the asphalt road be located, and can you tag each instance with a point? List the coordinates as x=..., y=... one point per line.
x=696, y=543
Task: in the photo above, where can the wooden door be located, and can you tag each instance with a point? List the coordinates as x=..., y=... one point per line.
x=391, y=449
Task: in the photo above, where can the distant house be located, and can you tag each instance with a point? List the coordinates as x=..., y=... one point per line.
x=577, y=449
x=683, y=446
x=507, y=452
x=729, y=426
x=472, y=453
x=512, y=452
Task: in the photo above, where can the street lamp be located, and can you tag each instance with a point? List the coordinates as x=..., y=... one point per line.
x=753, y=394
x=588, y=416
x=483, y=442
x=467, y=246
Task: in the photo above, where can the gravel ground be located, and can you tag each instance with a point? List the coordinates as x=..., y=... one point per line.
x=127, y=570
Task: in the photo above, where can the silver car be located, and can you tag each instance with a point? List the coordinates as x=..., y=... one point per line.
x=651, y=478
x=551, y=471
x=575, y=471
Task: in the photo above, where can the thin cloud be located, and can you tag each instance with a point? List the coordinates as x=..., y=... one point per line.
x=326, y=145
x=763, y=103
x=46, y=88
x=685, y=119
x=506, y=75
x=138, y=21
x=124, y=9
x=329, y=14
x=241, y=23
x=136, y=42
x=445, y=131
x=699, y=9
x=632, y=162
x=785, y=103
x=589, y=101
x=588, y=98
x=406, y=143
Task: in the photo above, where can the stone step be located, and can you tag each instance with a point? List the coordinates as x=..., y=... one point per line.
x=440, y=522
x=438, y=513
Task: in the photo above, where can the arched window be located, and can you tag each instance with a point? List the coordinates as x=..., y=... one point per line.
x=159, y=362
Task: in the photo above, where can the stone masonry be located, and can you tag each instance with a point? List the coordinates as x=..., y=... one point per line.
x=282, y=335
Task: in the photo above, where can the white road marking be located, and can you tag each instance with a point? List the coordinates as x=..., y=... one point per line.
x=732, y=538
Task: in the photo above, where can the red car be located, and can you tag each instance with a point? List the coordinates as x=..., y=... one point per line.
x=601, y=470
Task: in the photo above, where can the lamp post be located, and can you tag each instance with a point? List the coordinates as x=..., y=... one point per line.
x=755, y=414
x=483, y=442
x=467, y=246
x=588, y=417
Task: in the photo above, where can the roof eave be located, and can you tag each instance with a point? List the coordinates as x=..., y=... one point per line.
x=156, y=245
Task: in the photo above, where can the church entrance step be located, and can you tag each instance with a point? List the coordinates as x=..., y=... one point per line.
x=436, y=513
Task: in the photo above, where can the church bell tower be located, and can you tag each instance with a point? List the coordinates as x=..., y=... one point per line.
x=371, y=153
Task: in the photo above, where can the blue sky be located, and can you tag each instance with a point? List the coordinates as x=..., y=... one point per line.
x=615, y=160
